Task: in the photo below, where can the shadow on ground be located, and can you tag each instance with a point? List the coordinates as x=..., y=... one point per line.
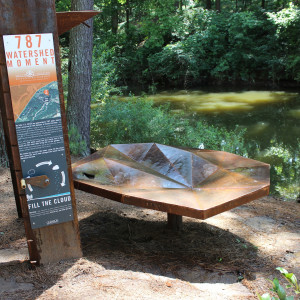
x=148, y=246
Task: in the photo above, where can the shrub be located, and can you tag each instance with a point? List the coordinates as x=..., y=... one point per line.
x=138, y=120
x=77, y=145
x=104, y=73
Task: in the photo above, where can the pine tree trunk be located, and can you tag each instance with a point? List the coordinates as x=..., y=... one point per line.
x=208, y=4
x=80, y=74
x=127, y=9
x=114, y=16
x=218, y=5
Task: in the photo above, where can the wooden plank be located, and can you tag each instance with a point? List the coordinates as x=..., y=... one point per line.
x=70, y=19
x=9, y=127
x=61, y=241
x=11, y=130
x=33, y=249
x=3, y=73
x=101, y=190
x=17, y=192
x=74, y=226
x=2, y=59
x=7, y=105
x=15, y=155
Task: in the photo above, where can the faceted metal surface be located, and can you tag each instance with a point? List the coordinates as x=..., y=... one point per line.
x=189, y=182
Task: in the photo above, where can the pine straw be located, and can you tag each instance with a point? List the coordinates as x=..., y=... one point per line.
x=150, y=243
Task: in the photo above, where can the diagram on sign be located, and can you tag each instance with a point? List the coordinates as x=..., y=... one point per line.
x=57, y=179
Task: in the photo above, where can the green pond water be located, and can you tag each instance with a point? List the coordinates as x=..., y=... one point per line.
x=272, y=120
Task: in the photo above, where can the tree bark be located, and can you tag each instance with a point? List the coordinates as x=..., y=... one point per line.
x=208, y=4
x=114, y=16
x=127, y=9
x=263, y=3
x=218, y=5
x=296, y=2
x=80, y=74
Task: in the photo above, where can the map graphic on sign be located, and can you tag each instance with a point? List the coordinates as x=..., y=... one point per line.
x=43, y=105
x=31, y=67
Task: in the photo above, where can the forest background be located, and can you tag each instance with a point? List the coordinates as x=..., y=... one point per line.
x=142, y=47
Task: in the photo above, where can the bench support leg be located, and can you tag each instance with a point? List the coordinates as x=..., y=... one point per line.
x=174, y=222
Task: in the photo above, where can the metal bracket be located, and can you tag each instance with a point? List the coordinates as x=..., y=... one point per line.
x=39, y=181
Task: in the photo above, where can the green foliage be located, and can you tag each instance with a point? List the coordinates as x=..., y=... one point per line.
x=104, y=73
x=291, y=278
x=165, y=43
x=139, y=121
x=287, y=22
x=238, y=47
x=279, y=289
x=76, y=143
x=63, y=5
x=130, y=122
x=285, y=169
x=64, y=69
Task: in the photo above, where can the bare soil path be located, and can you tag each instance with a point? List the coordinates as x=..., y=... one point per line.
x=130, y=254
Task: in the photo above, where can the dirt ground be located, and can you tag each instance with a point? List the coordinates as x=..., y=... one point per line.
x=130, y=254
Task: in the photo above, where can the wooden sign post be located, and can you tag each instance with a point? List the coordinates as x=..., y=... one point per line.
x=34, y=121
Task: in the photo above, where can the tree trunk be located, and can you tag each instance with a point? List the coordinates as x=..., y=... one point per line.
x=80, y=75
x=263, y=3
x=218, y=5
x=179, y=5
x=127, y=9
x=114, y=16
x=3, y=153
x=208, y=4
x=296, y=2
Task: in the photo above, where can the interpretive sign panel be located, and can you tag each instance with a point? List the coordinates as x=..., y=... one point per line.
x=34, y=92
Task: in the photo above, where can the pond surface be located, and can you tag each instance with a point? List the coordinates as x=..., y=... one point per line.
x=272, y=120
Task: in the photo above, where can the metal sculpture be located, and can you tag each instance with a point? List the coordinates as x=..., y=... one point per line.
x=185, y=182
